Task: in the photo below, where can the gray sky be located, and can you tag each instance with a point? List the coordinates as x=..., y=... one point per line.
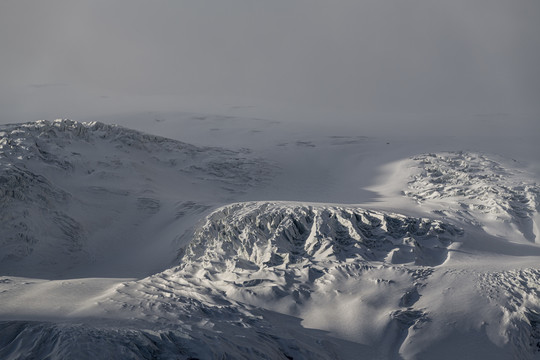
x=80, y=59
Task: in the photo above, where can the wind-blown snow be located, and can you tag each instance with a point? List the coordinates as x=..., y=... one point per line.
x=442, y=263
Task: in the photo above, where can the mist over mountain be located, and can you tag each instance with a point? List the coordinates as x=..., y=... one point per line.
x=286, y=179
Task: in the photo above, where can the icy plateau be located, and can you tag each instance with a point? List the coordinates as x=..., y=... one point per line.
x=119, y=244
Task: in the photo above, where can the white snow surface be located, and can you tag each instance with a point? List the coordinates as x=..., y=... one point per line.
x=120, y=244
x=77, y=195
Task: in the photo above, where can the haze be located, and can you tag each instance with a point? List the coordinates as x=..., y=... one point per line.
x=355, y=62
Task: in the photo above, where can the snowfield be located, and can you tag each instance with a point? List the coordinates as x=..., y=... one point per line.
x=120, y=244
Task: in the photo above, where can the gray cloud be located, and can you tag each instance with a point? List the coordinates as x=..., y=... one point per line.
x=345, y=57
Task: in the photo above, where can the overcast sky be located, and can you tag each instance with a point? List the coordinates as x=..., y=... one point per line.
x=86, y=58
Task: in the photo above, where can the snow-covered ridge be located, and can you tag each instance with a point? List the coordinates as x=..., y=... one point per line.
x=206, y=332
x=293, y=258
x=29, y=135
x=68, y=187
x=47, y=141
x=258, y=235
x=473, y=186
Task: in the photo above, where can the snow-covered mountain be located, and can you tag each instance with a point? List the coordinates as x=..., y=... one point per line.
x=120, y=244
x=474, y=187
x=72, y=193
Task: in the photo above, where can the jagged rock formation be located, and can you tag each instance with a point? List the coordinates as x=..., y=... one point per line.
x=259, y=235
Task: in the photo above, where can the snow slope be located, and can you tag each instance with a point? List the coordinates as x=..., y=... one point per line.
x=82, y=195
x=478, y=188
x=116, y=243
